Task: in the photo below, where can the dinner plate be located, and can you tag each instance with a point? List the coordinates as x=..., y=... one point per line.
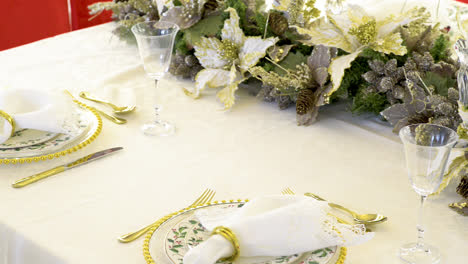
x=27, y=137
x=83, y=126
x=171, y=240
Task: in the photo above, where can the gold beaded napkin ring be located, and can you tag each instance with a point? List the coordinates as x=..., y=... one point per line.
x=229, y=235
x=10, y=120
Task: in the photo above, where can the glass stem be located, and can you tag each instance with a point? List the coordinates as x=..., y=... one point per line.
x=420, y=226
x=156, y=107
x=403, y=7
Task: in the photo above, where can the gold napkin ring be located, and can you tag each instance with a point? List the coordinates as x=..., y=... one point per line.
x=229, y=235
x=10, y=120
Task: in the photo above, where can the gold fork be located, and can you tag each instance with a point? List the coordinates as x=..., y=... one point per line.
x=204, y=198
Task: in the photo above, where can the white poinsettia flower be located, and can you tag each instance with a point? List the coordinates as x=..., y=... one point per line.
x=353, y=31
x=226, y=60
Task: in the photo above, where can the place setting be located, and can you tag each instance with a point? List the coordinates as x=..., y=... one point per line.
x=285, y=228
x=39, y=126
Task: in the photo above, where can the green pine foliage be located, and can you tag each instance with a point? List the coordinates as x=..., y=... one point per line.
x=440, y=50
x=368, y=102
x=440, y=83
x=352, y=80
x=181, y=45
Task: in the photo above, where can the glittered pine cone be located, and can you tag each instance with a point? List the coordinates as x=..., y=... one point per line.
x=305, y=101
x=278, y=23
x=462, y=188
x=211, y=5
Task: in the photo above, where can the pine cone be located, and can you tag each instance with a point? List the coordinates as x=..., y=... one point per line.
x=305, y=101
x=284, y=101
x=377, y=66
x=183, y=70
x=191, y=60
x=211, y=5
x=278, y=23
x=265, y=93
x=462, y=188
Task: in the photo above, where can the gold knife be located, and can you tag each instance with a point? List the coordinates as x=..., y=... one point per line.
x=34, y=178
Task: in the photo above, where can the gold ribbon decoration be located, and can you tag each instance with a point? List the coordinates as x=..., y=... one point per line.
x=10, y=120
x=231, y=237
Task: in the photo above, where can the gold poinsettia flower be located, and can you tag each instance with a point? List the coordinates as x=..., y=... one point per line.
x=353, y=31
x=226, y=60
x=300, y=12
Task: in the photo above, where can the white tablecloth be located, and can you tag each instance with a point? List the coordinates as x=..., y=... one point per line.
x=254, y=149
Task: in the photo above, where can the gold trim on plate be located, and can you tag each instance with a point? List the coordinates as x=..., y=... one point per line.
x=150, y=260
x=66, y=151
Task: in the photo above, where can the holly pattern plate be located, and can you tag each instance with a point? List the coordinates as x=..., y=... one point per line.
x=27, y=137
x=173, y=238
x=79, y=124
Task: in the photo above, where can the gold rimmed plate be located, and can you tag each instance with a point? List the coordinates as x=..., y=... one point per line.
x=168, y=242
x=27, y=137
x=82, y=128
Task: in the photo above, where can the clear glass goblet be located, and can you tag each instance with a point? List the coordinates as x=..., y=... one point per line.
x=155, y=41
x=427, y=148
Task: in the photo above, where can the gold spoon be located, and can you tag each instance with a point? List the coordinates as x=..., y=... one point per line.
x=367, y=219
x=115, y=119
x=117, y=109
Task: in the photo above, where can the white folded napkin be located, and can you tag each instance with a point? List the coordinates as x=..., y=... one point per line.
x=274, y=226
x=33, y=109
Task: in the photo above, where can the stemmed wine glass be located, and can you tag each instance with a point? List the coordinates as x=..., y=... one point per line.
x=155, y=41
x=427, y=148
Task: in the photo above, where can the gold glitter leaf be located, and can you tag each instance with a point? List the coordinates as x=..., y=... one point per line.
x=325, y=34
x=208, y=52
x=253, y=49
x=231, y=29
x=337, y=69
x=390, y=44
x=227, y=94
x=208, y=77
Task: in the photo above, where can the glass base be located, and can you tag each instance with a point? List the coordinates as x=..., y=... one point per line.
x=414, y=253
x=160, y=128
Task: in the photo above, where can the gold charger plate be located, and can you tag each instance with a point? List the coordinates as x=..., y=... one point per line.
x=173, y=235
x=56, y=147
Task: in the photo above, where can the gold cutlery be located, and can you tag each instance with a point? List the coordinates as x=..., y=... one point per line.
x=117, y=109
x=367, y=219
x=86, y=159
x=288, y=191
x=115, y=119
x=204, y=198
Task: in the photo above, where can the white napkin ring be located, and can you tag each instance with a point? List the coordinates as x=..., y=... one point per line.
x=231, y=237
x=10, y=120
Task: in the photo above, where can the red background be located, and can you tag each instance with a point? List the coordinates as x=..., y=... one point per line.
x=25, y=21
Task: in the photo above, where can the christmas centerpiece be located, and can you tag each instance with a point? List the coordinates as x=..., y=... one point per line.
x=307, y=53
